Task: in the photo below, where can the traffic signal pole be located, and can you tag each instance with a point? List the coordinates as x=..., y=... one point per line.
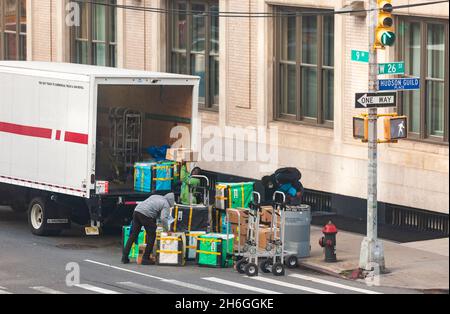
x=372, y=252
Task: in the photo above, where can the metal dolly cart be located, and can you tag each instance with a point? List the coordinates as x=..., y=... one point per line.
x=247, y=256
x=278, y=258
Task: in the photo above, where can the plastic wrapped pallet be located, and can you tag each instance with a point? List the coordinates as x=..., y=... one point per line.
x=191, y=244
x=234, y=195
x=141, y=240
x=171, y=249
x=215, y=250
x=150, y=177
x=190, y=217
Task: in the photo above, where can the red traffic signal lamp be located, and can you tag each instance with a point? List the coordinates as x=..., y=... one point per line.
x=384, y=34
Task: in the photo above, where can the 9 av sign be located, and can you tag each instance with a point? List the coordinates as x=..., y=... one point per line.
x=375, y=100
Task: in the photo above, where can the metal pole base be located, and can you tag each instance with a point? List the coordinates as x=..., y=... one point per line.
x=372, y=255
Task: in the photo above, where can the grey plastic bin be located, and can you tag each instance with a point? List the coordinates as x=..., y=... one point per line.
x=298, y=230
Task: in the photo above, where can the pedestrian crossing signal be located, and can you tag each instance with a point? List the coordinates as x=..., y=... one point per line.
x=384, y=34
x=396, y=128
x=361, y=128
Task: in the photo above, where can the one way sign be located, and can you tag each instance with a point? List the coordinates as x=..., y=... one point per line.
x=375, y=100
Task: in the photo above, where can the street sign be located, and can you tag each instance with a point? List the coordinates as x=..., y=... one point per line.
x=360, y=56
x=391, y=68
x=375, y=100
x=396, y=128
x=399, y=84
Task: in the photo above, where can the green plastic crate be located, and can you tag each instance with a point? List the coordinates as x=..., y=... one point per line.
x=234, y=195
x=134, y=253
x=215, y=250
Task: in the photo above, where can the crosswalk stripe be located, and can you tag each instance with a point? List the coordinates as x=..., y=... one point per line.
x=240, y=286
x=123, y=269
x=333, y=284
x=193, y=287
x=174, y=282
x=144, y=288
x=291, y=286
x=47, y=290
x=96, y=289
x=3, y=291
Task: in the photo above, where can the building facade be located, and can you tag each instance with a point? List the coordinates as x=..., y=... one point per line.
x=292, y=74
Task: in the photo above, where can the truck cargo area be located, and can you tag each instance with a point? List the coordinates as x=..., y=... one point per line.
x=130, y=120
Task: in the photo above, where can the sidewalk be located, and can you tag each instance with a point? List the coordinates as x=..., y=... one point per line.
x=418, y=265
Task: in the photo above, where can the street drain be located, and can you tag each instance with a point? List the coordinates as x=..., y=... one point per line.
x=71, y=246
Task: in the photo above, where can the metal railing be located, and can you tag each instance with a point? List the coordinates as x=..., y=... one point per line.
x=416, y=219
x=319, y=201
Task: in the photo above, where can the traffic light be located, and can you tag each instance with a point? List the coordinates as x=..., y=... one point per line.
x=384, y=34
x=395, y=128
x=361, y=128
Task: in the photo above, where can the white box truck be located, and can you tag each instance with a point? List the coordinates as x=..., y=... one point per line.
x=70, y=135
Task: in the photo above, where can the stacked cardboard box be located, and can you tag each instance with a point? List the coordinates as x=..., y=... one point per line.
x=266, y=216
x=238, y=230
x=265, y=236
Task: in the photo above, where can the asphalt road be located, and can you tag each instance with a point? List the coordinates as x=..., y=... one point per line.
x=36, y=265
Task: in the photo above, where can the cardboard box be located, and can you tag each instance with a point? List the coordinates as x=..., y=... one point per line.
x=265, y=236
x=243, y=235
x=233, y=216
x=181, y=154
x=266, y=216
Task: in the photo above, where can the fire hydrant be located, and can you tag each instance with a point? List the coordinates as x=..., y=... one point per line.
x=328, y=242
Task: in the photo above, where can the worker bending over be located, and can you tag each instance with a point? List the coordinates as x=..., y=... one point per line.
x=145, y=215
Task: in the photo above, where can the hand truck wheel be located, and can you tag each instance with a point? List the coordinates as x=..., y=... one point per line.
x=251, y=270
x=240, y=266
x=265, y=266
x=278, y=269
x=291, y=261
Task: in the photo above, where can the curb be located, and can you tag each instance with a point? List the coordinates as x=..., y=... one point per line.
x=321, y=270
x=328, y=272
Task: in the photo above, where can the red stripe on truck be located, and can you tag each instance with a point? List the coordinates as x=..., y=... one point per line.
x=77, y=138
x=25, y=130
x=32, y=131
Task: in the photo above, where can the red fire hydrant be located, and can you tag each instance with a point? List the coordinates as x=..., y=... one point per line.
x=328, y=242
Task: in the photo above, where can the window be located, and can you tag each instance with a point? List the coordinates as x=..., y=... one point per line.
x=13, y=29
x=94, y=41
x=423, y=45
x=194, y=46
x=304, y=71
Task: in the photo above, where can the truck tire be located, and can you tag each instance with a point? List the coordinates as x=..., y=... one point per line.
x=38, y=213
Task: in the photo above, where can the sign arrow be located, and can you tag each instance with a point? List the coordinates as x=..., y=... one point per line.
x=375, y=100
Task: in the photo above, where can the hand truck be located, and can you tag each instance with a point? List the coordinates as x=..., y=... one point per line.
x=278, y=257
x=247, y=257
